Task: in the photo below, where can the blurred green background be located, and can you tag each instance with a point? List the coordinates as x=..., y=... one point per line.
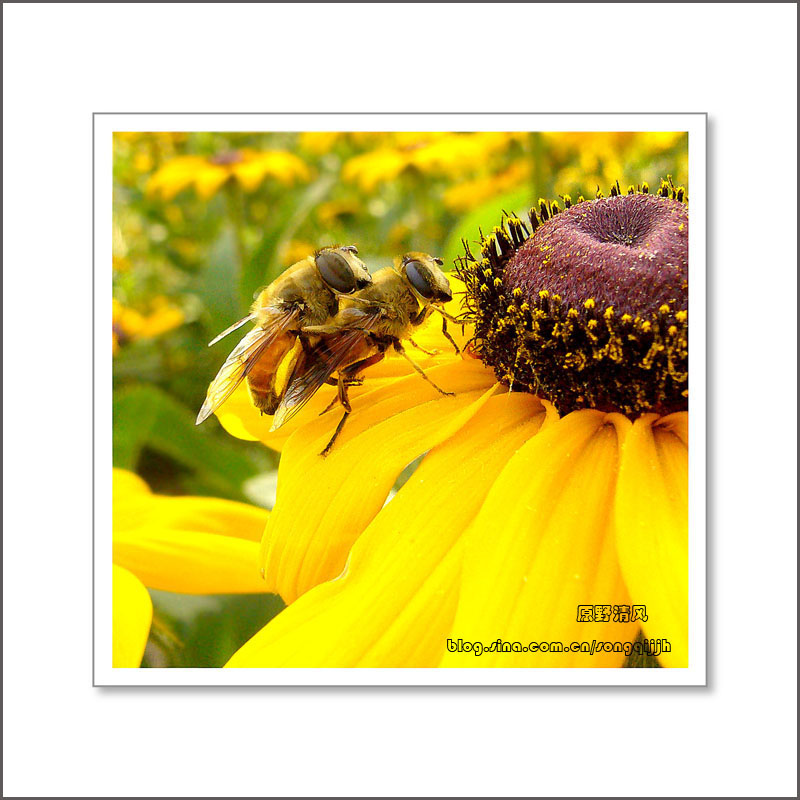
x=202, y=221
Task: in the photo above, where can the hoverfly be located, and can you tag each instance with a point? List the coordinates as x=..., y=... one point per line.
x=307, y=293
x=369, y=322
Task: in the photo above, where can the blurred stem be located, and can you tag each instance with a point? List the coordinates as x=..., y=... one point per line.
x=235, y=200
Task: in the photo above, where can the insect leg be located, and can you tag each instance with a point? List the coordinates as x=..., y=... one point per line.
x=341, y=397
x=336, y=433
x=451, y=318
x=330, y=405
x=342, y=394
x=448, y=336
x=349, y=377
x=400, y=349
x=427, y=352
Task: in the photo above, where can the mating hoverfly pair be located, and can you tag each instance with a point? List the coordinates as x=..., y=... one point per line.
x=323, y=315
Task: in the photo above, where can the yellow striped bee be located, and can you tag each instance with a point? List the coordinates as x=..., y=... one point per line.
x=368, y=324
x=307, y=293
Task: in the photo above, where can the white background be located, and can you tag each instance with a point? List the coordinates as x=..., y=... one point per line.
x=736, y=737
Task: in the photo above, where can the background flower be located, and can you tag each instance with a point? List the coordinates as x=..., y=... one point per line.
x=184, y=545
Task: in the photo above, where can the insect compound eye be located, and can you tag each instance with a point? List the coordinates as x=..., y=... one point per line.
x=417, y=277
x=335, y=271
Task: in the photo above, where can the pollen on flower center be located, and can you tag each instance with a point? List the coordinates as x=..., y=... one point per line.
x=590, y=308
x=626, y=252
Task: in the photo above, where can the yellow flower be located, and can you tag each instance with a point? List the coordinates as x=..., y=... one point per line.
x=597, y=158
x=319, y=142
x=448, y=154
x=194, y=545
x=521, y=524
x=295, y=250
x=331, y=213
x=470, y=194
x=249, y=168
x=130, y=325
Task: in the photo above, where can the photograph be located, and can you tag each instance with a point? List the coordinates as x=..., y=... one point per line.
x=400, y=399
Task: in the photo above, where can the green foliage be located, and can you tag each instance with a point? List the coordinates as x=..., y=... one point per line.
x=205, y=462
x=484, y=218
x=196, y=631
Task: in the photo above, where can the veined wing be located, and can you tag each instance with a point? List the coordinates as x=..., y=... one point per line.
x=313, y=367
x=242, y=359
x=236, y=325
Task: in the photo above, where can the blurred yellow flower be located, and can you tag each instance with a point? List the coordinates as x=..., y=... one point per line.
x=193, y=545
x=249, y=168
x=128, y=324
x=451, y=154
x=143, y=162
x=319, y=142
x=331, y=213
x=295, y=250
x=120, y=263
x=470, y=194
x=146, y=137
x=599, y=158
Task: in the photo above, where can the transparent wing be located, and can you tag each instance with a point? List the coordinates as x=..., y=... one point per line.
x=312, y=368
x=234, y=327
x=242, y=359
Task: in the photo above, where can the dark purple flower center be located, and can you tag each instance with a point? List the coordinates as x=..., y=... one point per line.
x=628, y=252
x=590, y=310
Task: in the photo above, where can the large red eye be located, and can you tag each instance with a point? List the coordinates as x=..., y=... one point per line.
x=335, y=271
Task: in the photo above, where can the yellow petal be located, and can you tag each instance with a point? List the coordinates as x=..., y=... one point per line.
x=132, y=614
x=135, y=506
x=234, y=425
x=280, y=164
x=242, y=419
x=126, y=484
x=323, y=504
x=174, y=176
x=191, y=562
x=209, y=515
x=209, y=178
x=542, y=545
x=394, y=605
x=250, y=174
x=652, y=518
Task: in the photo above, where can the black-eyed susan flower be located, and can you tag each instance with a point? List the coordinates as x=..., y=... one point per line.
x=192, y=545
x=207, y=174
x=551, y=502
